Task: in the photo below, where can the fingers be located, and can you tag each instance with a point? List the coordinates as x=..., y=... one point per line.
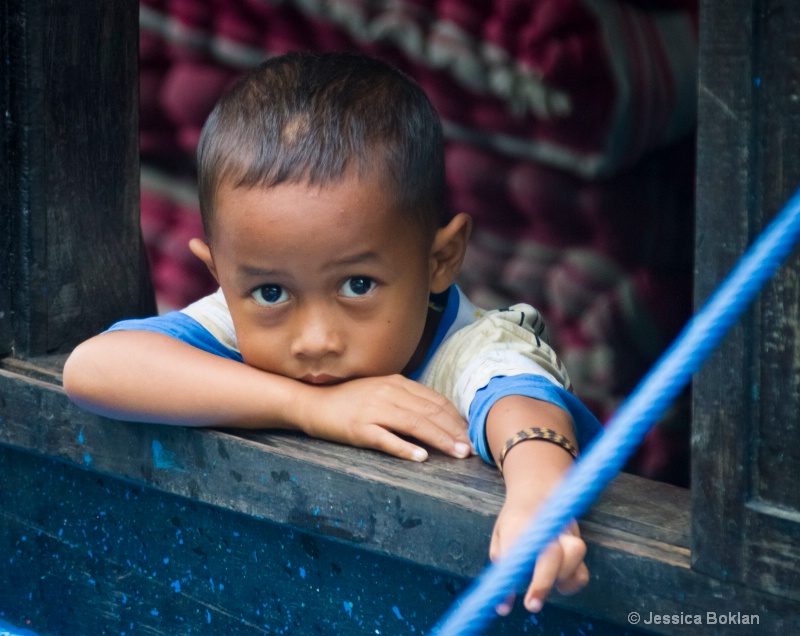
x=504, y=608
x=576, y=582
x=431, y=418
x=561, y=565
x=380, y=412
x=426, y=424
x=495, y=549
x=379, y=438
x=423, y=421
x=402, y=406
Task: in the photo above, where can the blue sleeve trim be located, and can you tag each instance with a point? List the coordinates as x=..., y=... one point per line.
x=182, y=327
x=587, y=426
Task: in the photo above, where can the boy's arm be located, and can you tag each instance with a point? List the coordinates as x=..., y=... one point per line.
x=531, y=470
x=151, y=377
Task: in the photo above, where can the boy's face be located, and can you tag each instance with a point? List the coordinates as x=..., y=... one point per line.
x=324, y=284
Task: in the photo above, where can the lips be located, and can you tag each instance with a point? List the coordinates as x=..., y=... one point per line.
x=321, y=379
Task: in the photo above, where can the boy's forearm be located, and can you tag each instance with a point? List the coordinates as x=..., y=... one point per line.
x=531, y=468
x=148, y=377
x=144, y=376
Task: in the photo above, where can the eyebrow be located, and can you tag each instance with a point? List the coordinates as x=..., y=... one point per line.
x=256, y=272
x=251, y=271
x=357, y=258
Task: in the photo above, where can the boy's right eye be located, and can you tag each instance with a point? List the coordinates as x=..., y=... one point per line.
x=269, y=295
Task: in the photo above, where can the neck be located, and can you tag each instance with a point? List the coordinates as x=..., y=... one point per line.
x=428, y=334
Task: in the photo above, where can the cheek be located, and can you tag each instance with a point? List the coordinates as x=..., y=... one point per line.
x=260, y=348
x=254, y=354
x=405, y=328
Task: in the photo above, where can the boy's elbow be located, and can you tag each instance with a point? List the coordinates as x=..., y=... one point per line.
x=79, y=375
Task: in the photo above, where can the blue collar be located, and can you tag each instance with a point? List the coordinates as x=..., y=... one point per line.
x=451, y=300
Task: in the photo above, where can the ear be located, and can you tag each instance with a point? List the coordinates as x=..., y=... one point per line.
x=447, y=252
x=201, y=250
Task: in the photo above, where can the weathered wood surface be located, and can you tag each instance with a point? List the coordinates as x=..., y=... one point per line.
x=746, y=435
x=121, y=558
x=421, y=527
x=69, y=190
x=308, y=483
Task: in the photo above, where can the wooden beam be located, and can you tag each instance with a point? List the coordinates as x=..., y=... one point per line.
x=745, y=451
x=70, y=181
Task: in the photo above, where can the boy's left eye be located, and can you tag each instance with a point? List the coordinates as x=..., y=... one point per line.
x=357, y=286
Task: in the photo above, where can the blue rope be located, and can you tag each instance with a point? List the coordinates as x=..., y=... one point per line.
x=626, y=429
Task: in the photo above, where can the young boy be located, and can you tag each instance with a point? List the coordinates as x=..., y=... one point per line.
x=322, y=191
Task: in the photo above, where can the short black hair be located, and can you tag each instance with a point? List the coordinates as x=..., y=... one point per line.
x=315, y=117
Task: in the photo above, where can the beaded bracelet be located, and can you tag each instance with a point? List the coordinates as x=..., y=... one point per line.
x=545, y=434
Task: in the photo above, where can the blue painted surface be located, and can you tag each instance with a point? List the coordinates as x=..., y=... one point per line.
x=164, y=459
x=6, y=629
x=137, y=561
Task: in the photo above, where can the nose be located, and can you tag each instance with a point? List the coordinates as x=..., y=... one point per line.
x=316, y=333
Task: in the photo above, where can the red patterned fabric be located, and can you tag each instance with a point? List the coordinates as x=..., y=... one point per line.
x=568, y=127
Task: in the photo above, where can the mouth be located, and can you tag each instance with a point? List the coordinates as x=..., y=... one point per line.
x=321, y=379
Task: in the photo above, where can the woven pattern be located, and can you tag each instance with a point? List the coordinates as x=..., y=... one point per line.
x=543, y=434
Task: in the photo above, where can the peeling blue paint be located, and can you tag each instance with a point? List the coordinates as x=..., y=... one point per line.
x=396, y=611
x=80, y=437
x=87, y=459
x=164, y=459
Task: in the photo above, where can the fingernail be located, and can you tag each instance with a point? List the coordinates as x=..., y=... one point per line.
x=533, y=605
x=504, y=609
x=419, y=455
x=463, y=450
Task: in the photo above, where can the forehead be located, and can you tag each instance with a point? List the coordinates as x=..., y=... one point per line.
x=291, y=218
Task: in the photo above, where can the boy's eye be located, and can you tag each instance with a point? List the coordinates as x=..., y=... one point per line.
x=357, y=286
x=270, y=295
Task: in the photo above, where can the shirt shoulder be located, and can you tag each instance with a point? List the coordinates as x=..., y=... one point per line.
x=213, y=314
x=205, y=324
x=484, y=344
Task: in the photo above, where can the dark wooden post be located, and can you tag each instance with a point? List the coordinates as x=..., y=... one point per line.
x=72, y=260
x=746, y=439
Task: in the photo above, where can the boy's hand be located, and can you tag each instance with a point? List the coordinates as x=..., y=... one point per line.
x=560, y=564
x=376, y=412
